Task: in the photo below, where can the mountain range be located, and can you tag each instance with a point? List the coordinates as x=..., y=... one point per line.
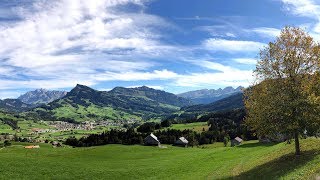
x=234, y=101
x=84, y=103
x=41, y=96
x=206, y=96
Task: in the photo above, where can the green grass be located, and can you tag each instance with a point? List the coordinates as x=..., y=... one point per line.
x=248, y=161
x=198, y=126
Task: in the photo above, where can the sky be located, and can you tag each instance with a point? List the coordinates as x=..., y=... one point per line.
x=171, y=45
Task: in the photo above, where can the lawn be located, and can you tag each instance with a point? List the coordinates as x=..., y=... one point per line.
x=198, y=126
x=249, y=161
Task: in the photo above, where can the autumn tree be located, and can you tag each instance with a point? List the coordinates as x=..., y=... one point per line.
x=285, y=98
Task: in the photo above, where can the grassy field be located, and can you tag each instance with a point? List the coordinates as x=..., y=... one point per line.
x=198, y=126
x=249, y=161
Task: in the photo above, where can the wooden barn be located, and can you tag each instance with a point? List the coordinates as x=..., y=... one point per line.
x=151, y=140
x=236, y=141
x=182, y=141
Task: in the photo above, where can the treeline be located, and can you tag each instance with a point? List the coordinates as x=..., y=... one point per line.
x=223, y=124
x=130, y=137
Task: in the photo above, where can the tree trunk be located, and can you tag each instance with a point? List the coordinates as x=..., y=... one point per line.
x=296, y=142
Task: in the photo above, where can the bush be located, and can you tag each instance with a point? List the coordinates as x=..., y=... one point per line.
x=6, y=143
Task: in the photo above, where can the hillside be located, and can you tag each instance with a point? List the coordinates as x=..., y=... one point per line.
x=206, y=96
x=228, y=103
x=41, y=96
x=251, y=160
x=83, y=103
x=14, y=105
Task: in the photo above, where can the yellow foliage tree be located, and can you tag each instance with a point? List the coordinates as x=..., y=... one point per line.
x=285, y=99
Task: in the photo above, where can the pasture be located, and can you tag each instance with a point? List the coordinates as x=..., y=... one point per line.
x=251, y=160
x=197, y=126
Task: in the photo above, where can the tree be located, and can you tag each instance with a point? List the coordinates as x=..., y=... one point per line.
x=166, y=123
x=226, y=140
x=6, y=143
x=285, y=100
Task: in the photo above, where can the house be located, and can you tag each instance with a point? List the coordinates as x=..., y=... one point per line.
x=55, y=144
x=236, y=141
x=182, y=141
x=151, y=140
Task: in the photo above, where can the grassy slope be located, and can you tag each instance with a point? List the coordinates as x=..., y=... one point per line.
x=103, y=113
x=249, y=161
x=198, y=126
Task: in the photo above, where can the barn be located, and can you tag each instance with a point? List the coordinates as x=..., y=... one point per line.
x=151, y=140
x=182, y=141
x=236, y=141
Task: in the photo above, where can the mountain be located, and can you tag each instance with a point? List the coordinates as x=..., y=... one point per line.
x=41, y=96
x=84, y=103
x=192, y=113
x=14, y=105
x=232, y=102
x=206, y=96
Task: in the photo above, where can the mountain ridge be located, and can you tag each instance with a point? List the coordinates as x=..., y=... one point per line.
x=85, y=103
x=207, y=96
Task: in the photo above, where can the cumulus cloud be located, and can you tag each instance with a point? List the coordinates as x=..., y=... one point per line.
x=307, y=8
x=58, y=40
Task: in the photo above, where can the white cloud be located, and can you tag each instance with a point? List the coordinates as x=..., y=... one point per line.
x=229, y=78
x=307, y=8
x=248, y=61
x=267, y=32
x=60, y=43
x=136, y=76
x=232, y=46
x=226, y=76
x=9, y=94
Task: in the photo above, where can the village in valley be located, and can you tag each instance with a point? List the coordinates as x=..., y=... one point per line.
x=41, y=131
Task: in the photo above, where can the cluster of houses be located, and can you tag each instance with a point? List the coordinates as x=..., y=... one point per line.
x=66, y=126
x=152, y=140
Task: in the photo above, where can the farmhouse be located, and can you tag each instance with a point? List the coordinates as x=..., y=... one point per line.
x=182, y=141
x=55, y=144
x=236, y=141
x=151, y=140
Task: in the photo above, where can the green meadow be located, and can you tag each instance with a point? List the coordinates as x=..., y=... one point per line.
x=197, y=126
x=251, y=160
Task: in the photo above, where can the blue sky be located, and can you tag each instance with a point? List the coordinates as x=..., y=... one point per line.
x=172, y=45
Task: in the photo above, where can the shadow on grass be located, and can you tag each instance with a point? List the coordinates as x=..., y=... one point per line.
x=279, y=167
x=257, y=144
